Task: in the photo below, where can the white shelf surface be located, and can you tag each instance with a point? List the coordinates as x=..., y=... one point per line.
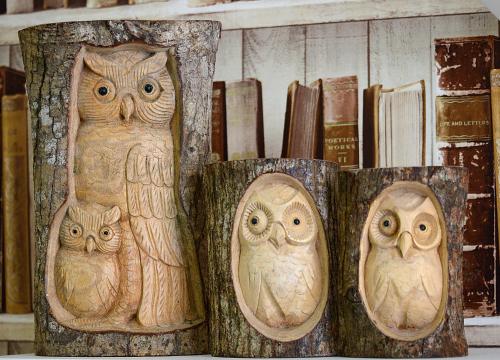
x=474, y=354
x=17, y=327
x=246, y=14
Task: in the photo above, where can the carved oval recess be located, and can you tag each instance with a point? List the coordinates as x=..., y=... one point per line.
x=403, y=268
x=279, y=258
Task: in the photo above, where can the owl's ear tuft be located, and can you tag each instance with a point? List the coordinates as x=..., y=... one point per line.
x=74, y=213
x=97, y=63
x=155, y=63
x=111, y=216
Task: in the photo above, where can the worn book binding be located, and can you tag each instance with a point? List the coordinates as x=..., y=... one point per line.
x=394, y=126
x=303, y=127
x=19, y=6
x=101, y=3
x=245, y=128
x=464, y=135
x=340, y=119
x=11, y=82
x=463, y=64
x=219, y=139
x=15, y=191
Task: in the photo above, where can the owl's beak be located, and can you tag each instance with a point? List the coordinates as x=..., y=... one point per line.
x=90, y=244
x=277, y=237
x=127, y=108
x=405, y=242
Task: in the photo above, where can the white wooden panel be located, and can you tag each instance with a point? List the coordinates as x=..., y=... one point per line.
x=334, y=50
x=400, y=54
x=455, y=26
x=276, y=57
x=229, y=63
x=4, y=55
x=16, y=58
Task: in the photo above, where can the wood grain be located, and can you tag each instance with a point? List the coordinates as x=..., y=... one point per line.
x=276, y=57
x=400, y=54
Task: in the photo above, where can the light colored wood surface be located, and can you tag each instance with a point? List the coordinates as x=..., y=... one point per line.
x=229, y=62
x=247, y=14
x=17, y=327
x=276, y=57
x=400, y=54
x=5, y=55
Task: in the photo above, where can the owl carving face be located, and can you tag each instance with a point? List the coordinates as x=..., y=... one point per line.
x=278, y=261
x=403, y=261
x=125, y=87
x=91, y=228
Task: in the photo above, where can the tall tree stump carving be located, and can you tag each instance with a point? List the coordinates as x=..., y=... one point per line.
x=120, y=117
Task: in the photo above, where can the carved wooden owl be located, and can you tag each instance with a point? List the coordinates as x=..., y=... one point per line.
x=279, y=267
x=403, y=270
x=87, y=272
x=124, y=156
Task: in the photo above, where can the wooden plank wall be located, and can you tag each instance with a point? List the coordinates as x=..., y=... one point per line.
x=391, y=52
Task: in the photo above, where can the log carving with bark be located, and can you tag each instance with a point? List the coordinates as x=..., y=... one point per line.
x=120, y=118
x=397, y=254
x=269, y=233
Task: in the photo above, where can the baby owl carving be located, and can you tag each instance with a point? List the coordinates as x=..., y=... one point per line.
x=279, y=267
x=124, y=158
x=403, y=270
x=87, y=270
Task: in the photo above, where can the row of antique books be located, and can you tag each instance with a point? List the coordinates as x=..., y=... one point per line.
x=321, y=122
x=26, y=6
x=15, y=250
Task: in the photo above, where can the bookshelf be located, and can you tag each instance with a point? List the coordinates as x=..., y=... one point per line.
x=247, y=14
x=17, y=327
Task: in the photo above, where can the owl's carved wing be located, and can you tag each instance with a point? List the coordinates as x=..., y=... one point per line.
x=106, y=290
x=431, y=290
x=379, y=292
x=151, y=203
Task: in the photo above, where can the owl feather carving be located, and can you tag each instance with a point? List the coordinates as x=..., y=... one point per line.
x=124, y=157
x=403, y=270
x=279, y=266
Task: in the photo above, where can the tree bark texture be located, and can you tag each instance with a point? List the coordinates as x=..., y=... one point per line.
x=231, y=332
x=355, y=333
x=49, y=53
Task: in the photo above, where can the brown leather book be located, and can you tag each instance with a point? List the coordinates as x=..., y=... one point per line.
x=303, y=127
x=219, y=139
x=15, y=190
x=464, y=134
x=245, y=126
x=340, y=121
x=11, y=82
x=463, y=64
x=53, y=4
x=75, y=3
x=394, y=126
x=495, y=117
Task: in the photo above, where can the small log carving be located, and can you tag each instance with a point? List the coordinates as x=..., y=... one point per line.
x=268, y=228
x=398, y=262
x=121, y=115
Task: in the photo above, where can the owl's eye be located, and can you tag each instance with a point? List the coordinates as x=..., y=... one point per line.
x=104, y=90
x=388, y=224
x=298, y=222
x=75, y=230
x=425, y=228
x=106, y=233
x=149, y=89
x=257, y=221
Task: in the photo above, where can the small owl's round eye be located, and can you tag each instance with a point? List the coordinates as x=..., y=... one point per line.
x=426, y=229
x=388, y=224
x=106, y=233
x=257, y=221
x=75, y=230
x=298, y=222
x=149, y=89
x=104, y=90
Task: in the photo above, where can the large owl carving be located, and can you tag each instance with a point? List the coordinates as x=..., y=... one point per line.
x=280, y=271
x=124, y=157
x=403, y=270
x=87, y=271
